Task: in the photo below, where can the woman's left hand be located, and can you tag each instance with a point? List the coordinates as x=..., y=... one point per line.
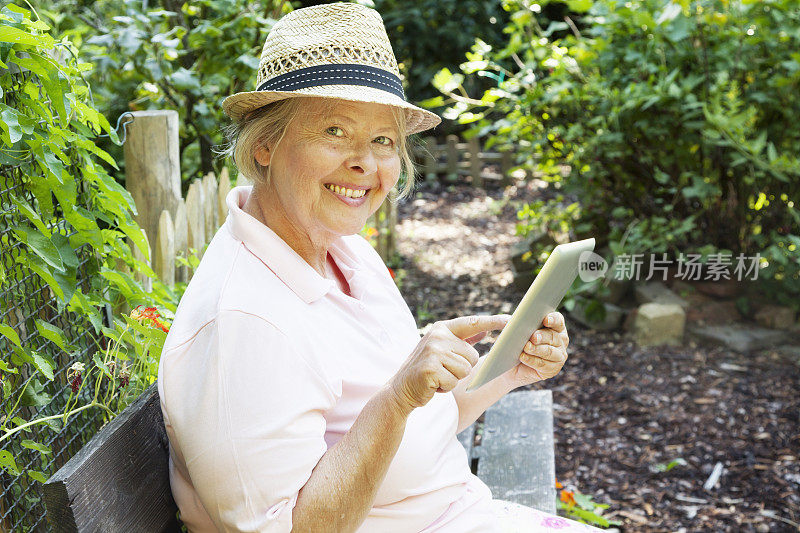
x=543, y=355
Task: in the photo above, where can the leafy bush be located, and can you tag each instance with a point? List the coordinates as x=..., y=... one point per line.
x=183, y=56
x=428, y=35
x=673, y=122
x=64, y=228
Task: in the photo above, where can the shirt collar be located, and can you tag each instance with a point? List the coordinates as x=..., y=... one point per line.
x=281, y=258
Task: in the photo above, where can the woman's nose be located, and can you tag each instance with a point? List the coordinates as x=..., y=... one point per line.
x=362, y=161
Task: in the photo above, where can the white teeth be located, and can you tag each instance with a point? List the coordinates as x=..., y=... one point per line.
x=350, y=193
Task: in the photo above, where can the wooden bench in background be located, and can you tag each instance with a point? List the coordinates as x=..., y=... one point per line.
x=119, y=481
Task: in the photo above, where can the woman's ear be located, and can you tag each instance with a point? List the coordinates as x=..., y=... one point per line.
x=263, y=155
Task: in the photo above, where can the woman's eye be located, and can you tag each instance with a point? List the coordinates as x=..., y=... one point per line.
x=335, y=130
x=384, y=140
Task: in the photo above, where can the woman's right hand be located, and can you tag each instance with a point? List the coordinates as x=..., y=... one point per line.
x=443, y=357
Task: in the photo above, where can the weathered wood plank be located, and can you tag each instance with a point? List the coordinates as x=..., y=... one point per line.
x=181, y=227
x=506, y=164
x=210, y=205
x=475, y=164
x=119, y=481
x=195, y=215
x=222, y=195
x=516, y=455
x=452, y=155
x=164, y=261
x=153, y=166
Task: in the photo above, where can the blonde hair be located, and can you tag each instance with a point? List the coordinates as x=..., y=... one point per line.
x=267, y=125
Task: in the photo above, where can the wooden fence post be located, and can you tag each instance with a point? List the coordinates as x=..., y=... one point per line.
x=210, y=205
x=475, y=166
x=506, y=162
x=195, y=217
x=452, y=156
x=222, y=195
x=429, y=165
x=152, y=167
x=164, y=261
x=181, y=227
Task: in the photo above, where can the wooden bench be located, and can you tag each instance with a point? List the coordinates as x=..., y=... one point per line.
x=119, y=481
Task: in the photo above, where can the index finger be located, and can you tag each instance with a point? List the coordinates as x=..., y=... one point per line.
x=465, y=327
x=554, y=321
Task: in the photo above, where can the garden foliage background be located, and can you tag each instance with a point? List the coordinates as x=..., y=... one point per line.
x=670, y=127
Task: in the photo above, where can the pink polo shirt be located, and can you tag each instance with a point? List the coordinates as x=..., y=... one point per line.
x=266, y=366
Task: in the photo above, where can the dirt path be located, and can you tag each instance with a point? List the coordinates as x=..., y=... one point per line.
x=620, y=410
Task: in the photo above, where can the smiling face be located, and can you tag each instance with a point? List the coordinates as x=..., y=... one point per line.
x=331, y=170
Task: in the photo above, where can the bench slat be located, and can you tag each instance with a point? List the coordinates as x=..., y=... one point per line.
x=516, y=455
x=119, y=481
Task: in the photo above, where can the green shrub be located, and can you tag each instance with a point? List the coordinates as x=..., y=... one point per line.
x=65, y=224
x=675, y=121
x=183, y=56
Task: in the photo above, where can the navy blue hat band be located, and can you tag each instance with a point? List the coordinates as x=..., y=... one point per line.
x=336, y=74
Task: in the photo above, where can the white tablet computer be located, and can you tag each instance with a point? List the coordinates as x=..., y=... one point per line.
x=543, y=297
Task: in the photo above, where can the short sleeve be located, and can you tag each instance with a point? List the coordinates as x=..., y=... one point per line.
x=257, y=426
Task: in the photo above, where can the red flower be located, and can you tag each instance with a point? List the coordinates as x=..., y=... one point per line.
x=568, y=497
x=391, y=272
x=151, y=315
x=559, y=485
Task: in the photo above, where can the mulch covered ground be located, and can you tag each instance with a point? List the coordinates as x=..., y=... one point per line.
x=622, y=410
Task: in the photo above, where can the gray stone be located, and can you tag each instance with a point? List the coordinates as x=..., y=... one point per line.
x=775, y=317
x=740, y=337
x=611, y=320
x=658, y=324
x=657, y=292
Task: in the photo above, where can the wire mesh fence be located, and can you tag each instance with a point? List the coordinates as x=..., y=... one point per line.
x=24, y=298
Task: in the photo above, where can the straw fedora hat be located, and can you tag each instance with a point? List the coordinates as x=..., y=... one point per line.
x=336, y=50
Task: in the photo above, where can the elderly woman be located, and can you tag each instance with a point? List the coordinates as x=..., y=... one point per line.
x=296, y=390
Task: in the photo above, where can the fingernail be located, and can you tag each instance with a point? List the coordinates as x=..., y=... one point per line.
x=537, y=337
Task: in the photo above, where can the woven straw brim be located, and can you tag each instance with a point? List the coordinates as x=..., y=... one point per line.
x=238, y=105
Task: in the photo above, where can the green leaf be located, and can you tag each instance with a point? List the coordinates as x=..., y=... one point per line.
x=38, y=476
x=446, y=81
x=101, y=365
x=42, y=362
x=184, y=80
x=579, y=6
x=65, y=250
x=5, y=368
x=41, y=245
x=8, y=463
x=30, y=214
x=436, y=101
x=33, y=445
x=34, y=263
x=35, y=395
x=10, y=34
x=52, y=333
x=10, y=334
